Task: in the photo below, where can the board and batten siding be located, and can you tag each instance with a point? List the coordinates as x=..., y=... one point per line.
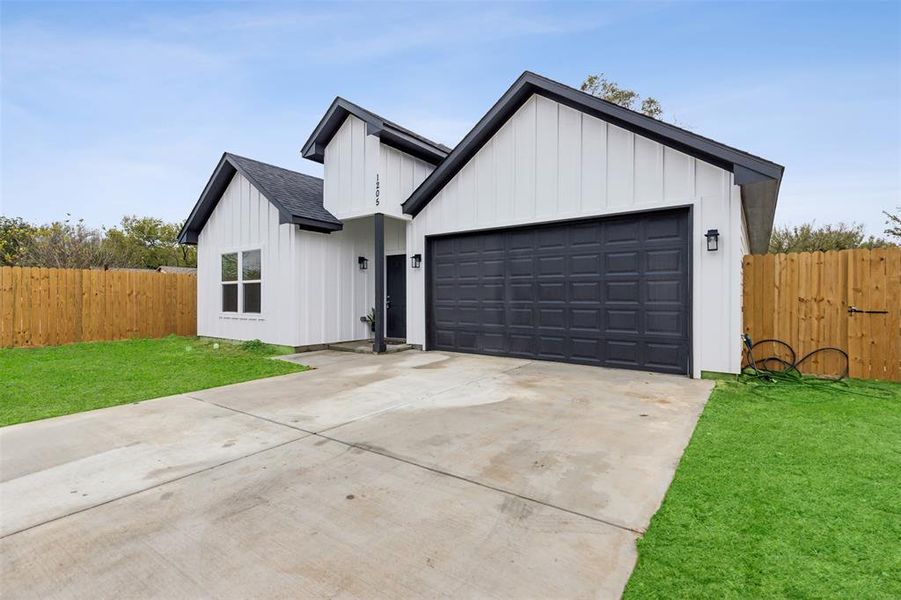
x=335, y=292
x=354, y=160
x=245, y=220
x=549, y=162
x=313, y=292
x=350, y=165
x=399, y=175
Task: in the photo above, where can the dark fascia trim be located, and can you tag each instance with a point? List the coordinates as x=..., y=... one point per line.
x=390, y=134
x=313, y=224
x=747, y=168
x=215, y=187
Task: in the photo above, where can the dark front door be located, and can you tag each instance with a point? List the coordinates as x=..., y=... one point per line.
x=396, y=296
x=611, y=292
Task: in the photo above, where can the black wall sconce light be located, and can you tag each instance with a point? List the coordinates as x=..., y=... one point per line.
x=713, y=240
x=416, y=261
x=362, y=263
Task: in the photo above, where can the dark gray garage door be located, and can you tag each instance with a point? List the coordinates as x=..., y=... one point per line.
x=612, y=292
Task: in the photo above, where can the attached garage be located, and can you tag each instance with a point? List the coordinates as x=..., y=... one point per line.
x=613, y=291
x=566, y=228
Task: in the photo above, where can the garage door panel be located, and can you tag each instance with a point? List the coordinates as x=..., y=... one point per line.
x=468, y=246
x=493, y=268
x=664, y=291
x=585, y=235
x=521, y=344
x=669, y=228
x=662, y=261
x=470, y=269
x=584, y=291
x=491, y=291
x=622, y=292
x=622, y=321
x=445, y=271
x=586, y=350
x=620, y=232
x=551, y=266
x=520, y=291
x=492, y=242
x=444, y=316
x=492, y=315
x=622, y=353
x=467, y=315
x=552, y=318
x=585, y=264
x=621, y=262
x=521, y=267
x=585, y=319
x=665, y=322
x=552, y=347
x=520, y=316
x=611, y=292
x=521, y=241
x=665, y=357
x=551, y=291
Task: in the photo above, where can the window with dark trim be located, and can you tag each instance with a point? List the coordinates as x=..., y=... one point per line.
x=242, y=280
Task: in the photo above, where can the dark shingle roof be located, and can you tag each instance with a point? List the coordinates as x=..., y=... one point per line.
x=299, y=194
x=298, y=197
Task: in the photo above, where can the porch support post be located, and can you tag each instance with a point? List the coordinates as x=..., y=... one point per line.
x=379, y=260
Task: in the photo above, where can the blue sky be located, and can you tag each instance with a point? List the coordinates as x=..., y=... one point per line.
x=109, y=109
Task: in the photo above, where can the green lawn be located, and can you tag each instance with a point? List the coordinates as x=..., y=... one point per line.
x=46, y=382
x=787, y=490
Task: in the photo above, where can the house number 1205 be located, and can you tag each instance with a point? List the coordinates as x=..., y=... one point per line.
x=376, y=189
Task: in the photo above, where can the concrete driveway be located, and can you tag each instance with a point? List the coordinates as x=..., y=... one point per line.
x=405, y=475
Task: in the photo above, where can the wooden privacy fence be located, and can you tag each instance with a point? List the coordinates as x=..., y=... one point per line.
x=44, y=307
x=810, y=300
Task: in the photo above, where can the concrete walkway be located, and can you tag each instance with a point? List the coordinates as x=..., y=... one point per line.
x=408, y=475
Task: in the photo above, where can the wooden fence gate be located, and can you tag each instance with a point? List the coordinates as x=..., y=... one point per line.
x=850, y=299
x=45, y=307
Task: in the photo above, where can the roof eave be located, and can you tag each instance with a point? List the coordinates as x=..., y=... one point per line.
x=314, y=148
x=189, y=235
x=215, y=187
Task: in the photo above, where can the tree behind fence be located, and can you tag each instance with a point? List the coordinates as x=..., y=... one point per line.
x=803, y=298
x=45, y=307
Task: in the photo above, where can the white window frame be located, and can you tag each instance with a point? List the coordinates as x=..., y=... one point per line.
x=240, y=281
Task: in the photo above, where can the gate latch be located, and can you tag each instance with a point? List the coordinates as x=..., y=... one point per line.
x=854, y=309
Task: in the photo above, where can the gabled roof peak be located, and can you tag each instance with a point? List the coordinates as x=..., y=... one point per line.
x=389, y=132
x=297, y=196
x=760, y=179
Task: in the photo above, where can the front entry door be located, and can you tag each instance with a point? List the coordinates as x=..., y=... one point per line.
x=396, y=296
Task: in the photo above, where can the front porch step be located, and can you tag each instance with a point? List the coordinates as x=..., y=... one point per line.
x=365, y=346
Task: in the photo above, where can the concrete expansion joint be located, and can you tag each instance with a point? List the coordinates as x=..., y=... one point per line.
x=250, y=414
x=365, y=448
x=434, y=470
x=152, y=487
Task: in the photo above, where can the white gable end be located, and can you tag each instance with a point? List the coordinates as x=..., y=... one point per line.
x=363, y=176
x=550, y=162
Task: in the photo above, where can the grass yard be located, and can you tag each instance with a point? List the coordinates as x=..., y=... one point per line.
x=787, y=490
x=46, y=382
